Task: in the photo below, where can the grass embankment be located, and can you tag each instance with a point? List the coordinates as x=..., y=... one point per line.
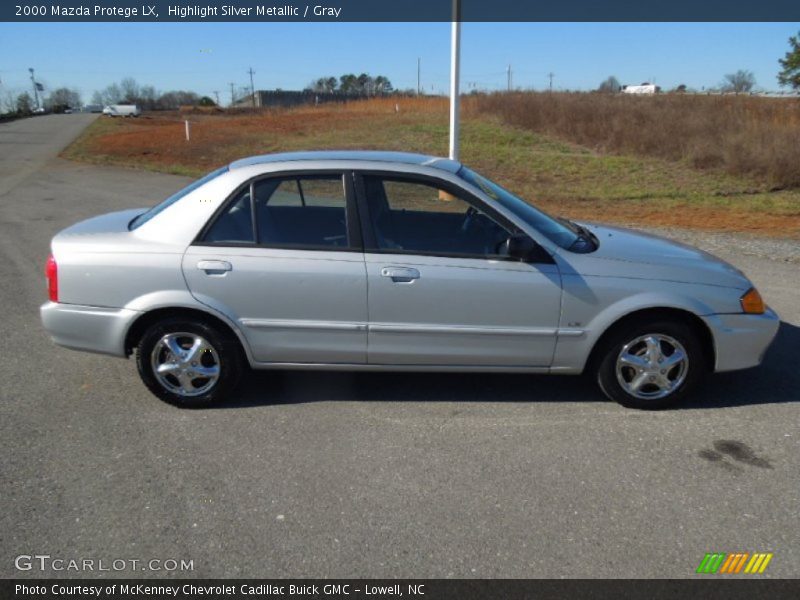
x=612, y=182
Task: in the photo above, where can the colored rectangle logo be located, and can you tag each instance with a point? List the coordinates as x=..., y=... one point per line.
x=734, y=563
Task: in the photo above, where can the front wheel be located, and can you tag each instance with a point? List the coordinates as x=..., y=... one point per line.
x=651, y=365
x=188, y=363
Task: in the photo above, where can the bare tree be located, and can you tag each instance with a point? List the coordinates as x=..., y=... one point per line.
x=147, y=98
x=740, y=82
x=323, y=85
x=112, y=94
x=24, y=103
x=130, y=89
x=9, y=102
x=63, y=98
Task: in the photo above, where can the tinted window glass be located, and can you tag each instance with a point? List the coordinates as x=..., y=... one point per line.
x=301, y=211
x=417, y=217
x=146, y=216
x=235, y=224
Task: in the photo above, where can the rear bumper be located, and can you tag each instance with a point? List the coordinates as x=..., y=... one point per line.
x=741, y=340
x=88, y=328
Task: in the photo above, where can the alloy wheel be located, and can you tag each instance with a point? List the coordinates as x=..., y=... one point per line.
x=652, y=366
x=185, y=364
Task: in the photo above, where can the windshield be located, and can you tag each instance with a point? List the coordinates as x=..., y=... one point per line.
x=555, y=231
x=146, y=216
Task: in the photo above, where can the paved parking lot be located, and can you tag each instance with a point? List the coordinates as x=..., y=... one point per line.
x=368, y=475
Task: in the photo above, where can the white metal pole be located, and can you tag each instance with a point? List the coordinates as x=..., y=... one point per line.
x=455, y=50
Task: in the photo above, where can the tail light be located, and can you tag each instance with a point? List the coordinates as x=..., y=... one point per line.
x=51, y=271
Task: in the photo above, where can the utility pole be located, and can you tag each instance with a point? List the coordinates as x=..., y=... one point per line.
x=509, y=78
x=233, y=94
x=35, y=88
x=216, y=94
x=551, y=75
x=419, y=66
x=252, y=87
x=455, y=50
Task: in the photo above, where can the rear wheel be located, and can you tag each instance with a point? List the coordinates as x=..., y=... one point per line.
x=188, y=363
x=651, y=365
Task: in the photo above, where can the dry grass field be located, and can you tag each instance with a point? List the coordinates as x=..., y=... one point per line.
x=601, y=163
x=741, y=135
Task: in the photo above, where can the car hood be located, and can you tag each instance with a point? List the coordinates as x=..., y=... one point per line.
x=628, y=253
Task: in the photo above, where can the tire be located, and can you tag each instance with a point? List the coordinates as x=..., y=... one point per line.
x=204, y=381
x=630, y=373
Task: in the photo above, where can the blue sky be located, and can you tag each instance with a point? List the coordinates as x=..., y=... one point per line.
x=207, y=56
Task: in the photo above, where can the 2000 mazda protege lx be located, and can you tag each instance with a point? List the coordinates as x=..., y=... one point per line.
x=378, y=260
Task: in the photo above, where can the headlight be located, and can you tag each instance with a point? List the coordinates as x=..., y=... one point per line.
x=752, y=303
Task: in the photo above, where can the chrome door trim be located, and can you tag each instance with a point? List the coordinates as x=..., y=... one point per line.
x=416, y=328
x=290, y=324
x=420, y=328
x=570, y=332
x=402, y=368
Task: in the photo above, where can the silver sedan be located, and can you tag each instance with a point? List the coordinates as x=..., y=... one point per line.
x=391, y=261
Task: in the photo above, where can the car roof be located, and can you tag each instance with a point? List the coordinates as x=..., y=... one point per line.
x=406, y=158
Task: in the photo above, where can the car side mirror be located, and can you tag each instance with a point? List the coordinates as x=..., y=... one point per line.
x=521, y=247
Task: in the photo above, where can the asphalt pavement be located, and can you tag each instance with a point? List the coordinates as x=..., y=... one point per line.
x=366, y=475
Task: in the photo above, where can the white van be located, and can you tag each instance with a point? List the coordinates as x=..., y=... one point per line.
x=122, y=110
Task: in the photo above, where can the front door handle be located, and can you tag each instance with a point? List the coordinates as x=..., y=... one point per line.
x=400, y=274
x=214, y=267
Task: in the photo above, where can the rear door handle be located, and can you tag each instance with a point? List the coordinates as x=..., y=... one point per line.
x=215, y=267
x=400, y=274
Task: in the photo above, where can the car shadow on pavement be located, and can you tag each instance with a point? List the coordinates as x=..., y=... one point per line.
x=777, y=380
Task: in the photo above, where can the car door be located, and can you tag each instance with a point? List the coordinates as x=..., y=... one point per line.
x=441, y=291
x=283, y=257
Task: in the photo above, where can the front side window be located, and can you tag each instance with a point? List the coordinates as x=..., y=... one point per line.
x=290, y=212
x=413, y=216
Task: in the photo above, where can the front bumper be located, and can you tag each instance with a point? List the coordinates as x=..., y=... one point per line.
x=740, y=340
x=88, y=328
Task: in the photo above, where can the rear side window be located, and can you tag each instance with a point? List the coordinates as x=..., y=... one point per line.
x=290, y=212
